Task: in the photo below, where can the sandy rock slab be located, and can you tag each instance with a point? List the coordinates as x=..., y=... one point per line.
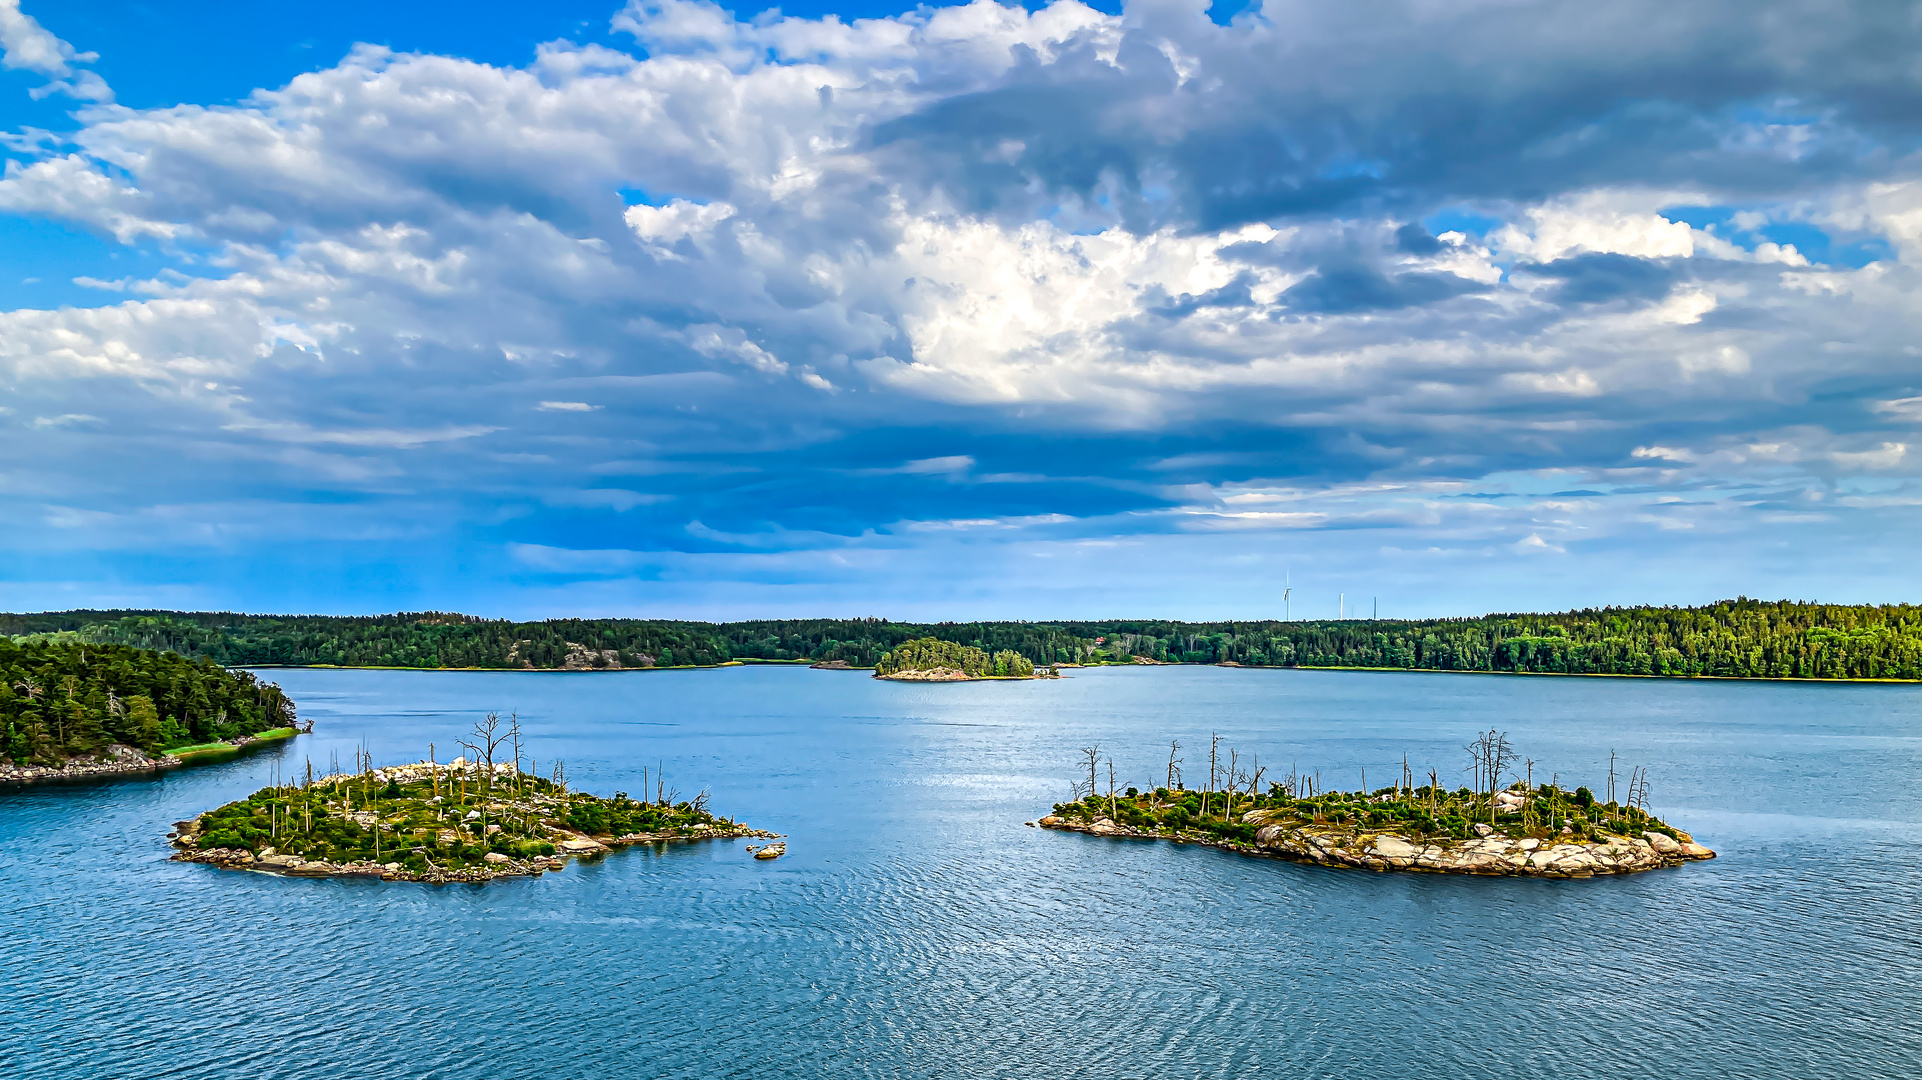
x=1492, y=854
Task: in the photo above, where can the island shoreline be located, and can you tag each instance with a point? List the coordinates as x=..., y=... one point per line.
x=1490, y=855
x=127, y=761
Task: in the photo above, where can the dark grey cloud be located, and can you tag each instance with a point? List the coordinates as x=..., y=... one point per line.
x=1044, y=297
x=1342, y=289
x=1424, y=104
x=1598, y=278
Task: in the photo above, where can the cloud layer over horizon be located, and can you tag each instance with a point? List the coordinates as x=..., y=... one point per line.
x=983, y=311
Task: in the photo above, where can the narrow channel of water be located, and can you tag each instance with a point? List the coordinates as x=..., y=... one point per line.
x=917, y=928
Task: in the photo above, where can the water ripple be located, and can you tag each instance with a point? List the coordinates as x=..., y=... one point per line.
x=918, y=930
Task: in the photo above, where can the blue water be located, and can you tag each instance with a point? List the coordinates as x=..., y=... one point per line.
x=917, y=928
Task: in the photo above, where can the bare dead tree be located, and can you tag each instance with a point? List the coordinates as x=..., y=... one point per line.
x=1233, y=778
x=1174, y=764
x=1112, y=810
x=1214, y=755
x=1091, y=757
x=1611, y=781
x=514, y=733
x=1492, y=756
x=487, y=741
x=1638, y=789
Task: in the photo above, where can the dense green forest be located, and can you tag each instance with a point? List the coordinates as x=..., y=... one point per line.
x=417, y=640
x=1738, y=638
x=933, y=654
x=61, y=698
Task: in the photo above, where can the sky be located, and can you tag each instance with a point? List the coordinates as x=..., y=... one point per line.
x=1425, y=307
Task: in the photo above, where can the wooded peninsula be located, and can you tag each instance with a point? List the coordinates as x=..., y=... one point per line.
x=70, y=707
x=1739, y=638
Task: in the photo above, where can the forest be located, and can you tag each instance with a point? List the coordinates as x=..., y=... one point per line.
x=63, y=698
x=408, y=640
x=1740, y=638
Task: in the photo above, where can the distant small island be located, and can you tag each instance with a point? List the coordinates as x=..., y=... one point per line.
x=458, y=821
x=933, y=660
x=1517, y=830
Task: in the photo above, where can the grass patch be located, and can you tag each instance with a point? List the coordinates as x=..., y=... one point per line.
x=213, y=749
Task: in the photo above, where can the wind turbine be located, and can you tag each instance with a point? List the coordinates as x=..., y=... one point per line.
x=1285, y=593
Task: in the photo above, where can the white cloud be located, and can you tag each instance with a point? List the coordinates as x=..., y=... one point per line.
x=1598, y=221
x=64, y=420
x=1098, y=297
x=25, y=45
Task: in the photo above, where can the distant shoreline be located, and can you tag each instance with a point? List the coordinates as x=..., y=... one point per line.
x=754, y=661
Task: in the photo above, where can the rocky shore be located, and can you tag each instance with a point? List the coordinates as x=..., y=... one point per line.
x=953, y=675
x=493, y=864
x=1488, y=853
x=934, y=675
x=114, y=760
x=458, y=821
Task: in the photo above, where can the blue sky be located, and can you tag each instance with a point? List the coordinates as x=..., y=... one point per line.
x=977, y=311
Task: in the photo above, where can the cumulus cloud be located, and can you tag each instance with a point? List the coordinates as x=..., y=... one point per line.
x=25, y=45
x=1088, y=276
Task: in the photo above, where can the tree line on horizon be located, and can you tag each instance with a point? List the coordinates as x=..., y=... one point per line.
x=1740, y=638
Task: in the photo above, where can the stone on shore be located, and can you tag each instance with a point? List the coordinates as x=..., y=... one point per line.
x=1489, y=853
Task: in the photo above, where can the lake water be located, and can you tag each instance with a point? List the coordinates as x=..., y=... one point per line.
x=917, y=928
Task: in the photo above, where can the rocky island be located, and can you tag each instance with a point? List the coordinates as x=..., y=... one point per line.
x=1517, y=830
x=933, y=660
x=457, y=821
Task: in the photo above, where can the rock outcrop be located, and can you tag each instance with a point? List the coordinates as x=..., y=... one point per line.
x=1489, y=854
x=933, y=675
x=493, y=864
x=115, y=760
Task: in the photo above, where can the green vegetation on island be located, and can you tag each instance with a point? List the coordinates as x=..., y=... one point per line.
x=65, y=701
x=1739, y=638
x=1504, y=825
x=464, y=820
x=931, y=659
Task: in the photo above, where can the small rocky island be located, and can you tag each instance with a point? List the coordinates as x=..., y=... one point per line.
x=458, y=821
x=933, y=660
x=1516, y=830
